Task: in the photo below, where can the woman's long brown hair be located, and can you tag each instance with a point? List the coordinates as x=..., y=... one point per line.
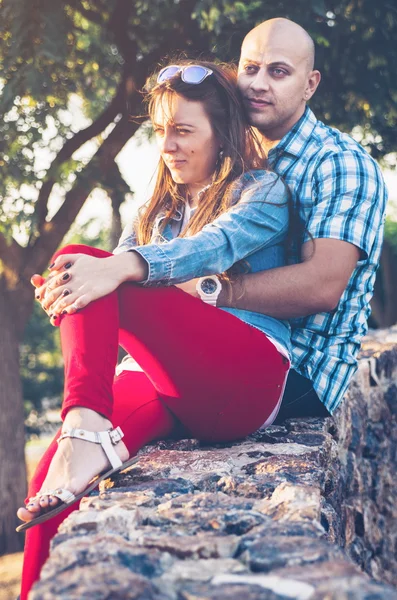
x=241, y=151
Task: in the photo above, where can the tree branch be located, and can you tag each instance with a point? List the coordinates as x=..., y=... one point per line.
x=71, y=145
x=187, y=35
x=51, y=233
x=117, y=189
x=118, y=25
x=54, y=231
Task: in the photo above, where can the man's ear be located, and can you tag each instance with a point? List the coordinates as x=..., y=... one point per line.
x=313, y=80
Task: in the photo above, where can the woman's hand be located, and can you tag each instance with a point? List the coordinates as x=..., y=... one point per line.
x=76, y=280
x=41, y=285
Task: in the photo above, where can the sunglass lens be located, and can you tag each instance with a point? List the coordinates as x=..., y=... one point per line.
x=194, y=74
x=167, y=73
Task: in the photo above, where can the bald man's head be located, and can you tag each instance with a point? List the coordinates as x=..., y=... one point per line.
x=289, y=33
x=276, y=75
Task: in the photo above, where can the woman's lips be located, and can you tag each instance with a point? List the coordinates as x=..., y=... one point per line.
x=175, y=164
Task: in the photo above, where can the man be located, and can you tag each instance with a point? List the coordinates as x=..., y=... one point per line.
x=339, y=200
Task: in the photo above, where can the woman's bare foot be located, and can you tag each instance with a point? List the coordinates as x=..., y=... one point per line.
x=75, y=462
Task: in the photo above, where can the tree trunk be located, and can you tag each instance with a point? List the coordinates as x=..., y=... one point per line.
x=12, y=430
x=116, y=228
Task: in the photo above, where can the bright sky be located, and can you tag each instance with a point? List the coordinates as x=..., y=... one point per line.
x=137, y=162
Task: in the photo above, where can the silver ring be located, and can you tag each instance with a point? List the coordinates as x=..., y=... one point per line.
x=74, y=305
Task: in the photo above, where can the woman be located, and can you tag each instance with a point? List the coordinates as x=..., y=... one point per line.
x=209, y=373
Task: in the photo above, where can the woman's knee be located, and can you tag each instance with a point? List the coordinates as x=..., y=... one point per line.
x=81, y=249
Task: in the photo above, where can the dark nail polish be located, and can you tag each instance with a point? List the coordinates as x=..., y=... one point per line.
x=37, y=296
x=68, y=265
x=65, y=277
x=51, y=316
x=64, y=312
x=51, y=265
x=50, y=500
x=65, y=293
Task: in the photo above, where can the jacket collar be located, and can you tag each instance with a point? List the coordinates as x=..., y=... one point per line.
x=162, y=213
x=180, y=212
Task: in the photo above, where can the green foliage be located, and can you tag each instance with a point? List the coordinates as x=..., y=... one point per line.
x=52, y=52
x=391, y=234
x=49, y=53
x=41, y=364
x=356, y=53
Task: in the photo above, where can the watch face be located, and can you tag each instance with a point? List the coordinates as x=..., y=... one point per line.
x=208, y=286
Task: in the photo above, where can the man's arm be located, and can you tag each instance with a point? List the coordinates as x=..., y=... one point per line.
x=313, y=286
x=348, y=206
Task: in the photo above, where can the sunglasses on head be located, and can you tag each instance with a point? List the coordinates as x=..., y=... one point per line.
x=193, y=74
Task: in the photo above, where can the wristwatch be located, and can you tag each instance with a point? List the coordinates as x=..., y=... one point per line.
x=209, y=288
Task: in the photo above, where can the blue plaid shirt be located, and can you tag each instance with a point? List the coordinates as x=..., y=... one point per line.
x=338, y=192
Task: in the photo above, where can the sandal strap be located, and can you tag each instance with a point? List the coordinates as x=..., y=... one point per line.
x=107, y=439
x=64, y=495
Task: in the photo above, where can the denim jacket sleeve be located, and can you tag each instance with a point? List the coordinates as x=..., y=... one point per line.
x=257, y=218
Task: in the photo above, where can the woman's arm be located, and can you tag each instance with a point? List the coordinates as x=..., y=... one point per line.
x=259, y=219
x=48, y=289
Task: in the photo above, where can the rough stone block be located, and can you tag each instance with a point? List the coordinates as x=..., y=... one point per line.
x=301, y=510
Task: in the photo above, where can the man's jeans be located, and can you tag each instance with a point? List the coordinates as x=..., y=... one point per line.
x=300, y=400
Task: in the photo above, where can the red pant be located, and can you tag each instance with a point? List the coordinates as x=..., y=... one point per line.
x=206, y=374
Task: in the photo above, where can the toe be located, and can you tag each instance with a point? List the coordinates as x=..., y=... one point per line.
x=33, y=506
x=25, y=515
x=53, y=501
x=44, y=502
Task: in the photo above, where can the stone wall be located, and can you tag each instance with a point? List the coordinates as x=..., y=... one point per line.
x=304, y=510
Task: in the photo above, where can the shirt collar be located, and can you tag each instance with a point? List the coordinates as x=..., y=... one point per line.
x=296, y=139
x=180, y=212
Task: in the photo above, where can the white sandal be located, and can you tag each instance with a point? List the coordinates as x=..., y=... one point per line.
x=107, y=439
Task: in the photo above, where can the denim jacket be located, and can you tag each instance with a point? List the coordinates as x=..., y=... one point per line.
x=253, y=230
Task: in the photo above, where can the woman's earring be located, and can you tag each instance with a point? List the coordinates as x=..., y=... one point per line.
x=220, y=155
